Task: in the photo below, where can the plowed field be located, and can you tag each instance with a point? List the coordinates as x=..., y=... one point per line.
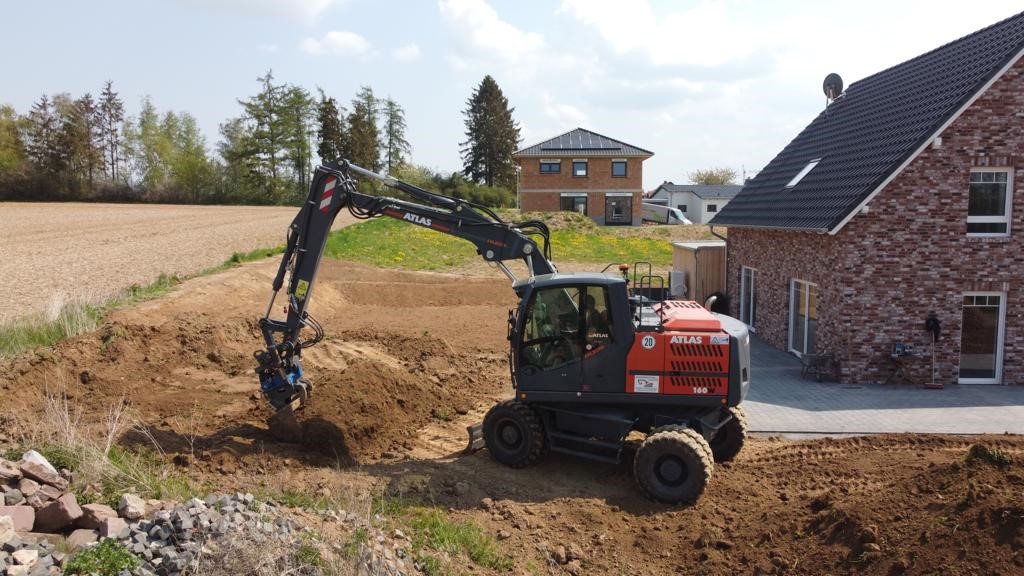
x=414, y=357
x=53, y=253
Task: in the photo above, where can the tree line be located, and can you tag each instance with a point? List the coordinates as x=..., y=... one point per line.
x=88, y=149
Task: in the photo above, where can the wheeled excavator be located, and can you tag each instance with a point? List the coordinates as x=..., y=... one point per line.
x=592, y=358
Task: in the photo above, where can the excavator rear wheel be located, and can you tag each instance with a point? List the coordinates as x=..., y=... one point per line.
x=673, y=465
x=729, y=439
x=513, y=434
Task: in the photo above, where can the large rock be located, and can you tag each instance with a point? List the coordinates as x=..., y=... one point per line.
x=114, y=528
x=93, y=515
x=49, y=492
x=28, y=487
x=82, y=537
x=24, y=516
x=9, y=470
x=40, y=473
x=14, y=497
x=6, y=529
x=131, y=507
x=25, y=556
x=58, y=515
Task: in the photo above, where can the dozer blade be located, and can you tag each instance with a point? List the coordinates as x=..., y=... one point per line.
x=476, y=438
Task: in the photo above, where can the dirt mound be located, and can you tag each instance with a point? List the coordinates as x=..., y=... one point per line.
x=383, y=387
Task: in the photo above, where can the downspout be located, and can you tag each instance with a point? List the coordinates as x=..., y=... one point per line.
x=726, y=240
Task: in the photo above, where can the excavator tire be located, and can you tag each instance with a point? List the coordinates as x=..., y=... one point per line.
x=729, y=439
x=513, y=434
x=673, y=465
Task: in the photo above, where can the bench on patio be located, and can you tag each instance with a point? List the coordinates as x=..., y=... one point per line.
x=819, y=365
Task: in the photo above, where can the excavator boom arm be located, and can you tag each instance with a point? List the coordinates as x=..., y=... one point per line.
x=333, y=189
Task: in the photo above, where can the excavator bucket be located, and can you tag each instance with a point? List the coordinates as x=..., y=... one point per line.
x=476, y=438
x=284, y=425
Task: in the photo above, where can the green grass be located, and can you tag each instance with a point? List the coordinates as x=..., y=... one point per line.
x=106, y=559
x=993, y=456
x=145, y=473
x=388, y=243
x=431, y=529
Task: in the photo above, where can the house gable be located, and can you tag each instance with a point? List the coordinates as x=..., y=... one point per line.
x=868, y=134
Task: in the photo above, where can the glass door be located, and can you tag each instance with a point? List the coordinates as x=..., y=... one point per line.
x=748, y=296
x=981, y=338
x=803, y=317
x=618, y=209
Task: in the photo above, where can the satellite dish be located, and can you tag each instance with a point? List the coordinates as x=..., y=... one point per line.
x=833, y=86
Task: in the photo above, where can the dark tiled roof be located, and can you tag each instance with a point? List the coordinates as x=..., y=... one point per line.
x=580, y=141
x=702, y=190
x=866, y=134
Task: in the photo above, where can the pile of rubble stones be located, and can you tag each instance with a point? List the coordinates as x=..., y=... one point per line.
x=38, y=511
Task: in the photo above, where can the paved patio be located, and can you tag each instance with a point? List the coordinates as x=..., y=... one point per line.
x=780, y=402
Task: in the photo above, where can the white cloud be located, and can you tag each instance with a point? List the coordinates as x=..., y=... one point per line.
x=562, y=117
x=484, y=35
x=705, y=35
x=338, y=43
x=304, y=10
x=407, y=53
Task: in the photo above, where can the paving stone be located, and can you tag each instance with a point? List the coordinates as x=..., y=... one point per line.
x=59, y=514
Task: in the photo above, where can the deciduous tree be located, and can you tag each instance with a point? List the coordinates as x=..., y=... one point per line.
x=713, y=176
x=364, y=136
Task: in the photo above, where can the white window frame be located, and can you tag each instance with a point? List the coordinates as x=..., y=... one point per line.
x=1000, y=340
x=748, y=299
x=800, y=175
x=792, y=313
x=1007, y=217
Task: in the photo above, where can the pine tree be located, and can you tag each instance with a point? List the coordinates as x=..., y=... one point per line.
x=111, y=123
x=396, y=147
x=89, y=136
x=364, y=136
x=41, y=137
x=492, y=135
x=331, y=130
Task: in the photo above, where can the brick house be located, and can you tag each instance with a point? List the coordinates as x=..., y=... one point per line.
x=585, y=172
x=902, y=198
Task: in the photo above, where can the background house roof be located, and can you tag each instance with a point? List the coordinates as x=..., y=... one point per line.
x=701, y=190
x=583, y=142
x=867, y=133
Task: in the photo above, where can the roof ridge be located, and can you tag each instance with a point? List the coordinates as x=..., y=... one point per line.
x=938, y=48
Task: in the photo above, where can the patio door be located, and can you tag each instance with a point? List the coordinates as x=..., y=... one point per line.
x=748, y=296
x=618, y=209
x=803, y=317
x=981, y=338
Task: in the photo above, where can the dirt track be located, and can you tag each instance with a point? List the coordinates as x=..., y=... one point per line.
x=413, y=357
x=58, y=252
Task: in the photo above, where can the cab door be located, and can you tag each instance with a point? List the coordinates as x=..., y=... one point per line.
x=602, y=347
x=551, y=341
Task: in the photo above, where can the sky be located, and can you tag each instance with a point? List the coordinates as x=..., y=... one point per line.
x=699, y=83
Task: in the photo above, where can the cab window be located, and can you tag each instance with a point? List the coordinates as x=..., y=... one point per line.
x=551, y=331
x=597, y=318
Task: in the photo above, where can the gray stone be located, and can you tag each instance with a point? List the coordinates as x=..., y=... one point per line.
x=14, y=497
x=93, y=515
x=131, y=507
x=114, y=528
x=24, y=517
x=58, y=515
x=28, y=486
x=42, y=474
x=18, y=571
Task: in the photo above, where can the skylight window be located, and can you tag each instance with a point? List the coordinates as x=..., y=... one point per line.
x=800, y=175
